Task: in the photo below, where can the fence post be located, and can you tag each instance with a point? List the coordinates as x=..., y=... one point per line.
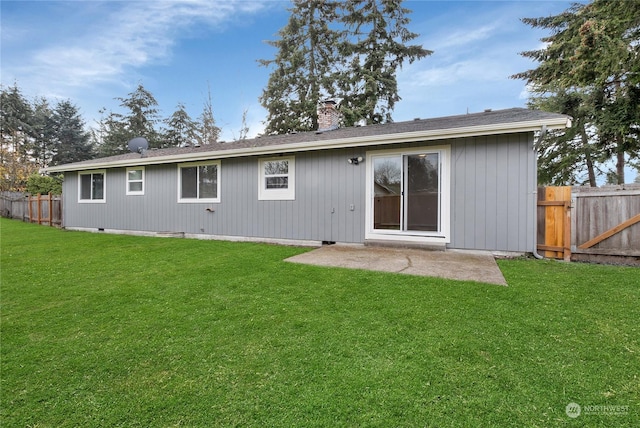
x=50, y=209
x=29, y=208
x=39, y=208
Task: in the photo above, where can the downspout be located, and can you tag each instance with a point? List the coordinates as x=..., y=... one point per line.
x=543, y=132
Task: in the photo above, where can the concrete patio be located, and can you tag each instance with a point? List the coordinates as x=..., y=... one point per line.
x=458, y=265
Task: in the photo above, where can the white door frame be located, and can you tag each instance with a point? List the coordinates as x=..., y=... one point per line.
x=442, y=236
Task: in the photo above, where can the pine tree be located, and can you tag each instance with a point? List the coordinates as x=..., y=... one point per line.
x=307, y=54
x=70, y=139
x=112, y=136
x=180, y=129
x=15, y=127
x=595, y=48
x=206, y=130
x=376, y=50
x=142, y=117
x=41, y=133
x=140, y=120
x=565, y=155
x=347, y=50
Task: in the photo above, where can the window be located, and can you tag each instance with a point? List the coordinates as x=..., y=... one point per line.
x=91, y=186
x=199, y=182
x=277, y=179
x=135, y=181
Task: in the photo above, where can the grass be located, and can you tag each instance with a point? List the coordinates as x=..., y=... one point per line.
x=105, y=330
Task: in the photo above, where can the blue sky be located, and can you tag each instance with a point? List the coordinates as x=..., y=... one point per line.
x=92, y=52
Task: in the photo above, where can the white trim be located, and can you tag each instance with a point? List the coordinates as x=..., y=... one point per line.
x=198, y=200
x=288, y=194
x=360, y=141
x=441, y=237
x=104, y=187
x=128, y=190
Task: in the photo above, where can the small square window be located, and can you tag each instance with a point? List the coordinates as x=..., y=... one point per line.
x=91, y=186
x=135, y=180
x=277, y=179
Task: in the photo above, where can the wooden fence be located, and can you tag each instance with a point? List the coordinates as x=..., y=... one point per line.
x=14, y=205
x=590, y=224
x=41, y=209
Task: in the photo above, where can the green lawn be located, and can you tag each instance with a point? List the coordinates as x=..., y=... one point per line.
x=104, y=330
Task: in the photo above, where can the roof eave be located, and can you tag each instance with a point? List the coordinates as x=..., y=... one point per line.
x=361, y=141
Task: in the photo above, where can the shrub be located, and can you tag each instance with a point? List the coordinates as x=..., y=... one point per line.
x=44, y=184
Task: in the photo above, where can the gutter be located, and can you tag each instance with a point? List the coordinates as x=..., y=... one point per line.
x=360, y=141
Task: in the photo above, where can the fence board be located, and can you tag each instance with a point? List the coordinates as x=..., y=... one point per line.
x=553, y=206
x=608, y=221
x=633, y=220
x=14, y=205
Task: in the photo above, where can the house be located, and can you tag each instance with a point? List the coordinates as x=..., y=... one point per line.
x=457, y=182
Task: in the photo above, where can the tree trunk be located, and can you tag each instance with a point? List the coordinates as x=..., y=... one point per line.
x=587, y=154
x=620, y=164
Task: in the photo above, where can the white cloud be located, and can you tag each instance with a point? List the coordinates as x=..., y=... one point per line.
x=463, y=37
x=119, y=37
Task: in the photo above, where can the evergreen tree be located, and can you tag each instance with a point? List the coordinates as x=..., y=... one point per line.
x=142, y=117
x=41, y=132
x=70, y=139
x=348, y=50
x=15, y=127
x=140, y=120
x=180, y=129
x=112, y=136
x=206, y=130
x=565, y=155
x=595, y=48
x=304, y=66
x=376, y=49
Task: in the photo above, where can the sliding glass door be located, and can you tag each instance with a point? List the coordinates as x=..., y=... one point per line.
x=422, y=192
x=407, y=192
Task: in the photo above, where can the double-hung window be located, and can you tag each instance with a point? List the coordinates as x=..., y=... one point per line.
x=199, y=182
x=135, y=180
x=276, y=179
x=92, y=186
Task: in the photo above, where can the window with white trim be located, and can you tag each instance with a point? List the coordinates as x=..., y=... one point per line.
x=92, y=186
x=135, y=181
x=276, y=179
x=199, y=182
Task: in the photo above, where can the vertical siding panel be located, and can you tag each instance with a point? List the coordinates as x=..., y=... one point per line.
x=491, y=195
x=532, y=178
x=481, y=191
x=457, y=197
x=470, y=190
x=315, y=198
x=502, y=194
x=515, y=187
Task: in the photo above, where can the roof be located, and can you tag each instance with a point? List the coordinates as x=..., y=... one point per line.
x=467, y=125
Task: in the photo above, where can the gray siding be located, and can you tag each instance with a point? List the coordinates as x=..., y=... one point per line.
x=492, y=185
x=326, y=187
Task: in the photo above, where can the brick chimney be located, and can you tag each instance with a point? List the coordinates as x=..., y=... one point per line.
x=328, y=116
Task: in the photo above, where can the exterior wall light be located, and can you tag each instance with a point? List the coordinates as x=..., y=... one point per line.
x=355, y=161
